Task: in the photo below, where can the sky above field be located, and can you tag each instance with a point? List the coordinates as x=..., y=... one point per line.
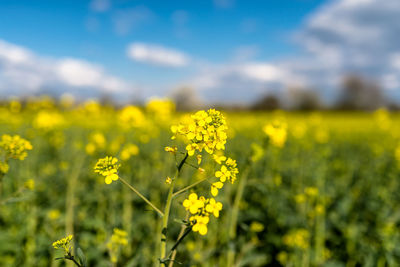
x=226, y=50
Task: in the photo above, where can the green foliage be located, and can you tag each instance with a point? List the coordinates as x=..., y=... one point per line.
x=328, y=197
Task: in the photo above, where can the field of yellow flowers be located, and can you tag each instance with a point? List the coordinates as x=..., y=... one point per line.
x=95, y=185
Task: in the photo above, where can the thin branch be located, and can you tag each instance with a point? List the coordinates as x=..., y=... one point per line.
x=188, y=187
x=142, y=197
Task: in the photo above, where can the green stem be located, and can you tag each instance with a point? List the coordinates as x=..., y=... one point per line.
x=142, y=197
x=167, y=209
x=180, y=238
x=234, y=219
x=188, y=187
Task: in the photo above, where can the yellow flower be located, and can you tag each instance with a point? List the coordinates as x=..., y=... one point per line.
x=223, y=174
x=193, y=204
x=311, y=191
x=131, y=116
x=277, y=132
x=206, y=130
x=48, y=120
x=53, y=214
x=118, y=239
x=298, y=238
x=215, y=187
x=200, y=224
x=170, y=149
x=161, y=109
x=108, y=167
x=128, y=151
x=214, y=207
x=228, y=171
x=168, y=180
x=4, y=167
x=256, y=227
x=199, y=157
x=63, y=244
x=257, y=152
x=15, y=147
x=219, y=159
x=300, y=198
x=30, y=184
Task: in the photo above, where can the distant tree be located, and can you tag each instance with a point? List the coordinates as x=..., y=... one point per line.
x=186, y=98
x=304, y=99
x=360, y=94
x=268, y=102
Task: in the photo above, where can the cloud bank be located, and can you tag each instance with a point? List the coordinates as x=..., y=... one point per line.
x=22, y=72
x=342, y=37
x=156, y=55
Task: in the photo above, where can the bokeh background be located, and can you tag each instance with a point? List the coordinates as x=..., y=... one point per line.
x=310, y=91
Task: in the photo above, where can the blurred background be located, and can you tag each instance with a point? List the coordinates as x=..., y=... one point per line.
x=290, y=54
x=81, y=80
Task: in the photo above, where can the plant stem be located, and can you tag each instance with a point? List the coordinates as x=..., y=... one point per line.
x=142, y=197
x=181, y=233
x=188, y=187
x=234, y=219
x=167, y=209
x=165, y=220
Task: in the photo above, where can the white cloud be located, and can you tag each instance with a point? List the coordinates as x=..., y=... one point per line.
x=23, y=72
x=341, y=37
x=157, y=55
x=358, y=36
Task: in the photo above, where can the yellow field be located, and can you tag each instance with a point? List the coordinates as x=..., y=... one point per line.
x=313, y=189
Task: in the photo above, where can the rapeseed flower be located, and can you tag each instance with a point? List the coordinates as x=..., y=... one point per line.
x=200, y=224
x=193, y=203
x=118, y=239
x=228, y=171
x=128, y=151
x=131, y=116
x=215, y=187
x=64, y=244
x=108, y=167
x=299, y=238
x=277, y=132
x=214, y=207
x=15, y=147
x=206, y=130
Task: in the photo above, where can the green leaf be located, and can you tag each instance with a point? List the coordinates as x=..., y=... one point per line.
x=81, y=257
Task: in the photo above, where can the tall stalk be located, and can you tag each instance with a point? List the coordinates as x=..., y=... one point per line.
x=167, y=209
x=234, y=219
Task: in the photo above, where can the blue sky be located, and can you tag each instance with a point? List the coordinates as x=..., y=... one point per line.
x=176, y=43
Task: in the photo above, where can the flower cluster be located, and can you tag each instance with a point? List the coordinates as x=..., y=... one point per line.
x=118, y=239
x=277, y=132
x=201, y=208
x=97, y=142
x=161, y=109
x=172, y=149
x=64, y=244
x=206, y=130
x=108, y=167
x=131, y=116
x=48, y=120
x=228, y=171
x=15, y=147
x=128, y=151
x=299, y=238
